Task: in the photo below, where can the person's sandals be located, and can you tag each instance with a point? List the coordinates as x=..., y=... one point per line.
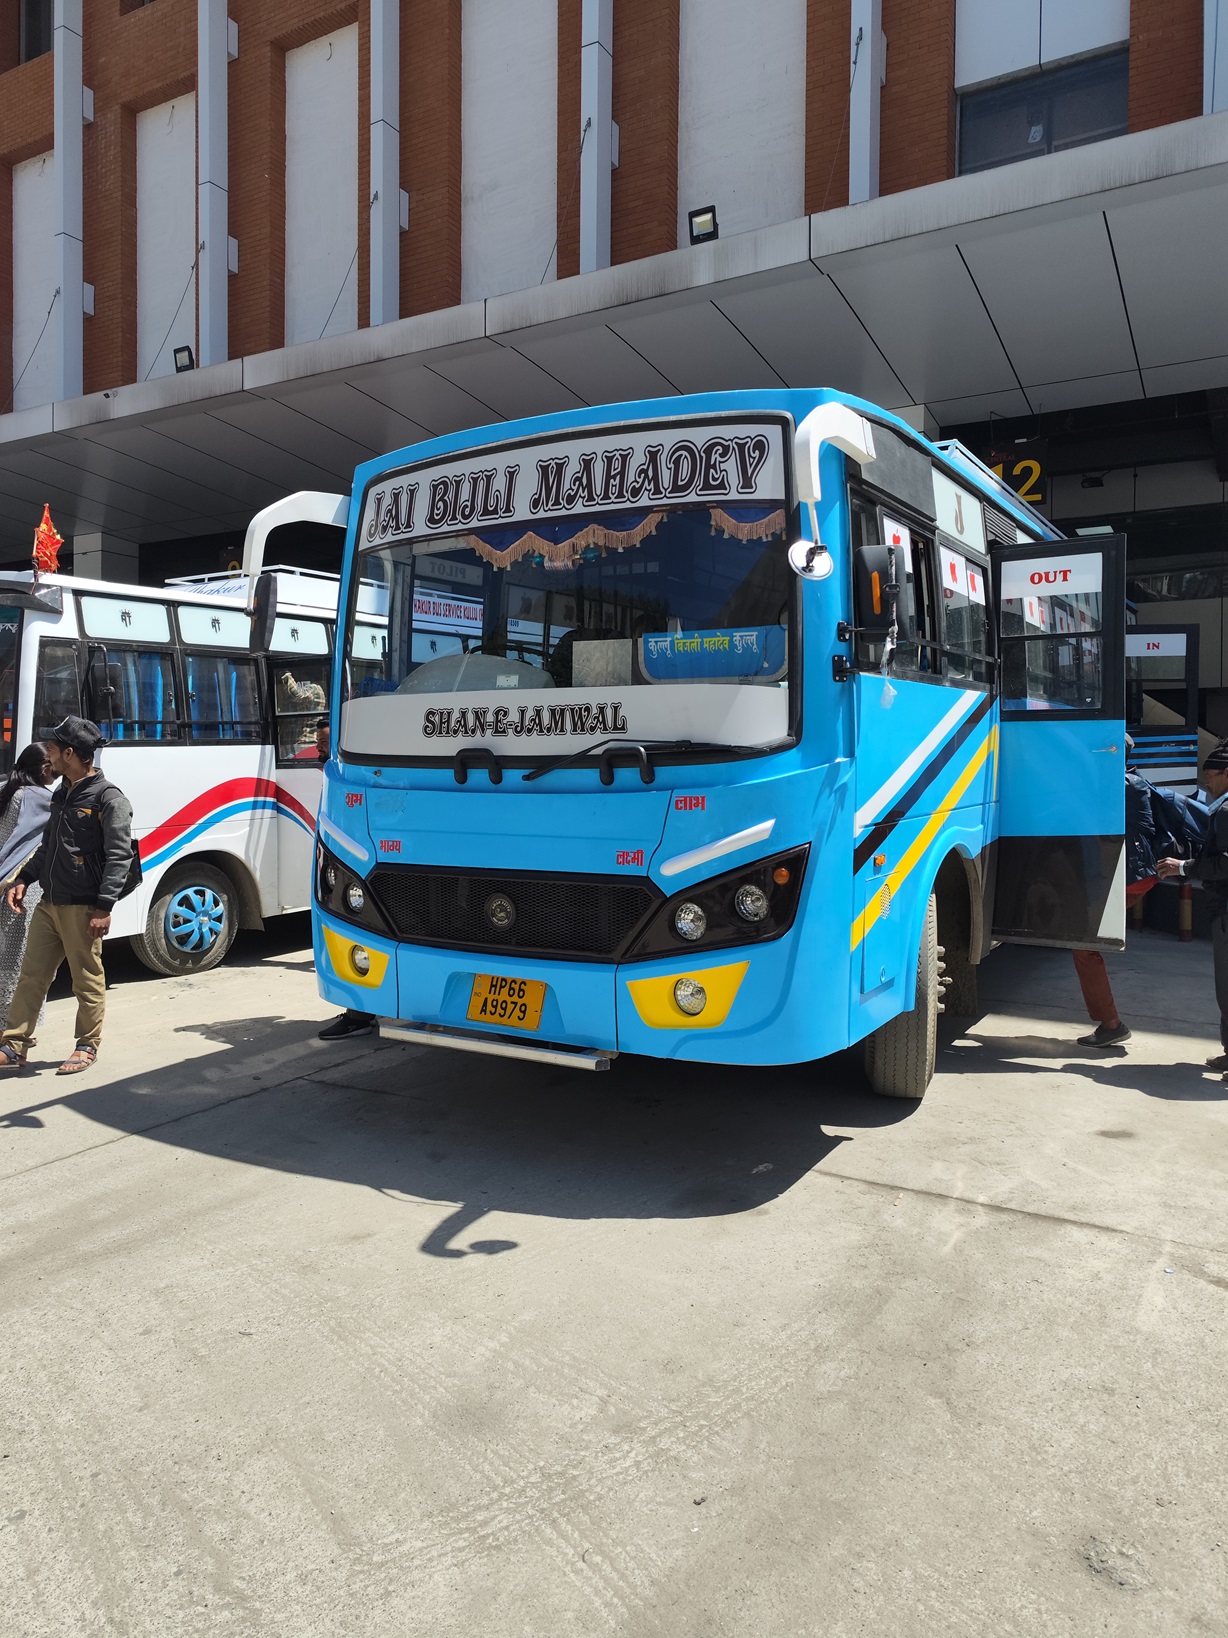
x=11, y=1057
x=81, y=1057
x=1103, y=1036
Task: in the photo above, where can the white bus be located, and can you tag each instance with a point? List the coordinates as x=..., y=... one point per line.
x=214, y=743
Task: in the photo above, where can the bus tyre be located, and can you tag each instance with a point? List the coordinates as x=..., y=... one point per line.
x=192, y=921
x=900, y=1055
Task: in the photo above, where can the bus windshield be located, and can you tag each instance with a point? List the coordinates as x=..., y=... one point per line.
x=659, y=623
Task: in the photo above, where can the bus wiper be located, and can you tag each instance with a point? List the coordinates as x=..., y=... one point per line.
x=640, y=751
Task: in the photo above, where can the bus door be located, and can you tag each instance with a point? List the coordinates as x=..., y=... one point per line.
x=1162, y=704
x=1062, y=751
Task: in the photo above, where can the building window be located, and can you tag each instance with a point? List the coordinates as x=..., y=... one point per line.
x=35, y=28
x=1044, y=113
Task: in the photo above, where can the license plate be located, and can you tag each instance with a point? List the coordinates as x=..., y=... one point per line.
x=515, y=1003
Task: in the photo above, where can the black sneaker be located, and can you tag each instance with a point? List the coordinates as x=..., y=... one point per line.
x=349, y=1023
x=1219, y=1062
x=1106, y=1037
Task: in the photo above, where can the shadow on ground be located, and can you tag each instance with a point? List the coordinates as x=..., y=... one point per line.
x=648, y=1139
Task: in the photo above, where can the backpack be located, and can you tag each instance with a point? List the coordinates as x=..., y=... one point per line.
x=1182, y=823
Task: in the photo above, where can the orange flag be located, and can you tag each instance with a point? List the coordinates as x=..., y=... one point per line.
x=47, y=543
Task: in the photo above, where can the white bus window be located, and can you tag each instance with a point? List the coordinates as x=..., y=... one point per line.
x=125, y=619
x=57, y=693
x=300, y=701
x=299, y=636
x=223, y=698
x=965, y=616
x=215, y=628
x=1053, y=604
x=145, y=704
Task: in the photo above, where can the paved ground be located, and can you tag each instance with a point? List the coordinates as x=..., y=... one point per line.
x=363, y=1340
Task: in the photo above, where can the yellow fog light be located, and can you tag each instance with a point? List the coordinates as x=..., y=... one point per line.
x=361, y=960
x=691, y=997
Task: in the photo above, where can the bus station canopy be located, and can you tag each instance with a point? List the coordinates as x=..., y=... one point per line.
x=1088, y=277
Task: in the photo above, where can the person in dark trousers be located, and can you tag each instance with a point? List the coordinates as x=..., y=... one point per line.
x=1093, y=975
x=82, y=865
x=1210, y=867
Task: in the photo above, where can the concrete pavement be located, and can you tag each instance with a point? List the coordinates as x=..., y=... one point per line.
x=308, y=1339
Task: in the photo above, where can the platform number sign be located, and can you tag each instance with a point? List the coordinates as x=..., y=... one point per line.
x=1023, y=468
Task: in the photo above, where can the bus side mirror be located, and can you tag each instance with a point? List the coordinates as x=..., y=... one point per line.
x=884, y=598
x=264, y=613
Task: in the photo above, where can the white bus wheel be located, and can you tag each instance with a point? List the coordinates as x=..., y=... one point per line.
x=900, y=1055
x=191, y=923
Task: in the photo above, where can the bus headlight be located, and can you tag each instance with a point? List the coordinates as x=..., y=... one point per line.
x=361, y=960
x=690, y=922
x=746, y=906
x=751, y=902
x=343, y=894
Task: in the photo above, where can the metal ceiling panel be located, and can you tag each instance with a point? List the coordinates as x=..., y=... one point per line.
x=416, y=392
x=923, y=310
x=958, y=412
x=113, y=461
x=1173, y=252
x=812, y=338
x=278, y=472
x=1083, y=331
x=343, y=406
x=507, y=380
x=1094, y=389
x=40, y=467
x=697, y=348
x=1194, y=377
x=285, y=429
x=147, y=443
x=592, y=361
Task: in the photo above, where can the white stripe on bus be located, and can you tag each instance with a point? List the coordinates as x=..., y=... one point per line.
x=866, y=814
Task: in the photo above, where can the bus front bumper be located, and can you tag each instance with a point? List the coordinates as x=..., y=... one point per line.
x=755, y=1010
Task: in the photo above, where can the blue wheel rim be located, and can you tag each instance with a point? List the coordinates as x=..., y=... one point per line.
x=195, y=920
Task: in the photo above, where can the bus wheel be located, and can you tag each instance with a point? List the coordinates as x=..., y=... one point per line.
x=900, y=1055
x=192, y=921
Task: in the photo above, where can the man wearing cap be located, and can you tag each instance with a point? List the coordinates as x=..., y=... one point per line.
x=1210, y=867
x=82, y=865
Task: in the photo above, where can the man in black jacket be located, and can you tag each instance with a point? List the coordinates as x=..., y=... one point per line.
x=1210, y=867
x=82, y=864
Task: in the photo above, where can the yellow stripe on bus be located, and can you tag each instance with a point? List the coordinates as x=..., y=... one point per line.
x=912, y=858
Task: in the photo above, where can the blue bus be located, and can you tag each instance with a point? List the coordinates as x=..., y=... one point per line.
x=735, y=727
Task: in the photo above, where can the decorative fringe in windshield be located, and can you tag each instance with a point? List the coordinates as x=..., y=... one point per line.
x=744, y=527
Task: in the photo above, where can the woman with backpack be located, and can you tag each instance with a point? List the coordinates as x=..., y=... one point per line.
x=25, y=805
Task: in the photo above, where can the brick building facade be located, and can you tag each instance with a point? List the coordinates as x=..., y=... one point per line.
x=138, y=56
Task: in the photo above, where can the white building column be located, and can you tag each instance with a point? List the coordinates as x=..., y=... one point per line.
x=385, y=161
x=597, y=132
x=212, y=181
x=1214, y=56
x=69, y=125
x=870, y=50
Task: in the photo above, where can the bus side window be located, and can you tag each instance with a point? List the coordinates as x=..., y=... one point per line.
x=57, y=693
x=916, y=653
x=965, y=617
x=223, y=698
x=146, y=706
x=300, y=701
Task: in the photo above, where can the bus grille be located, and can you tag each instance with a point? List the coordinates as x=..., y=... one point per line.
x=577, y=918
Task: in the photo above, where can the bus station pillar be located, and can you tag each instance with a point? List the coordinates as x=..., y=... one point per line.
x=105, y=557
